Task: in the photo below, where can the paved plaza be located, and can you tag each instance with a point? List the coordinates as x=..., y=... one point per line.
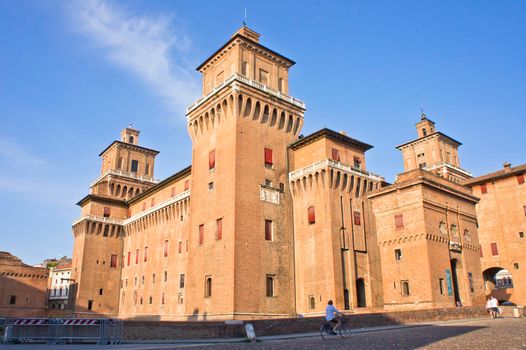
x=477, y=334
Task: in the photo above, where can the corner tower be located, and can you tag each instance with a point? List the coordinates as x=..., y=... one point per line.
x=433, y=151
x=241, y=223
x=126, y=171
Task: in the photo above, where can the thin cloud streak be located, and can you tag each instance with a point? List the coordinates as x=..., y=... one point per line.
x=11, y=151
x=148, y=47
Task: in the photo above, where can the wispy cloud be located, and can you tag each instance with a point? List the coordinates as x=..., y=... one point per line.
x=151, y=48
x=13, y=152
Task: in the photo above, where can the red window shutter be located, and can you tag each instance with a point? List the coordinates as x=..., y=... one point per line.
x=268, y=156
x=129, y=258
x=494, y=249
x=145, y=254
x=357, y=218
x=152, y=202
x=186, y=185
x=107, y=211
x=201, y=234
x=180, y=247
x=219, y=228
x=129, y=212
x=399, y=220
x=136, y=256
x=481, y=254
x=113, y=260
x=335, y=154
x=173, y=191
x=483, y=188
x=311, y=213
x=212, y=159
x=165, y=249
x=144, y=206
x=520, y=179
x=268, y=230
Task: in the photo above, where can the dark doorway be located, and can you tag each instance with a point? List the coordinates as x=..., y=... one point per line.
x=454, y=279
x=360, y=292
x=347, y=304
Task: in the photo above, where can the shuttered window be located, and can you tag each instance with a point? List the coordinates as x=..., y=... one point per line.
x=186, y=185
x=268, y=230
x=165, y=249
x=113, y=260
x=129, y=258
x=107, y=211
x=483, y=189
x=219, y=229
x=145, y=254
x=357, y=218
x=212, y=160
x=180, y=247
x=173, y=192
x=520, y=179
x=136, y=256
x=201, y=234
x=494, y=249
x=268, y=157
x=399, y=221
x=152, y=203
x=311, y=213
x=335, y=154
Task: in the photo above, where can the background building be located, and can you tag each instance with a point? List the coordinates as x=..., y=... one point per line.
x=501, y=214
x=59, y=285
x=23, y=288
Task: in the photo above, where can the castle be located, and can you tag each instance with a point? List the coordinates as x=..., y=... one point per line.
x=267, y=223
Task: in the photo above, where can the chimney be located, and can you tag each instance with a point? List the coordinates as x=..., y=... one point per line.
x=507, y=166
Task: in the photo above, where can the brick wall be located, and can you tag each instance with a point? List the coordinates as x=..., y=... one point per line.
x=164, y=330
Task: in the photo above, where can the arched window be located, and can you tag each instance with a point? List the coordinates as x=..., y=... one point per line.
x=312, y=302
x=424, y=131
x=131, y=139
x=208, y=287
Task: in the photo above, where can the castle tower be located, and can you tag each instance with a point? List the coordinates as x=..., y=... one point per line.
x=241, y=240
x=433, y=151
x=126, y=171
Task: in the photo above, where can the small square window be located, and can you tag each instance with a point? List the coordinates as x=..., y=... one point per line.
x=210, y=186
x=516, y=266
x=521, y=234
x=12, y=300
x=268, y=183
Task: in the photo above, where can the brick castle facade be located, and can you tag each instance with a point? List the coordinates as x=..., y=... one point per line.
x=267, y=223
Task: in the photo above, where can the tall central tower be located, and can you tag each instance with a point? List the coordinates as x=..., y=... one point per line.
x=241, y=224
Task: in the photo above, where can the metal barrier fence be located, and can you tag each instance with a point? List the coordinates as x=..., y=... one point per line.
x=63, y=330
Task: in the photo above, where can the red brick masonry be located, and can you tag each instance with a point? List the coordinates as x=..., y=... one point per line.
x=165, y=330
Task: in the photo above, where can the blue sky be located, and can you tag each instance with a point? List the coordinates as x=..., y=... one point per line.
x=74, y=73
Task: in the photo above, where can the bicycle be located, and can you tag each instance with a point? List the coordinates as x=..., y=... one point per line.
x=341, y=328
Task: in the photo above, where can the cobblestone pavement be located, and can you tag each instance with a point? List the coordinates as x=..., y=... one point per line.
x=501, y=334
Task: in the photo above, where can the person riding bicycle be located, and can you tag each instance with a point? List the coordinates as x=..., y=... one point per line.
x=330, y=316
